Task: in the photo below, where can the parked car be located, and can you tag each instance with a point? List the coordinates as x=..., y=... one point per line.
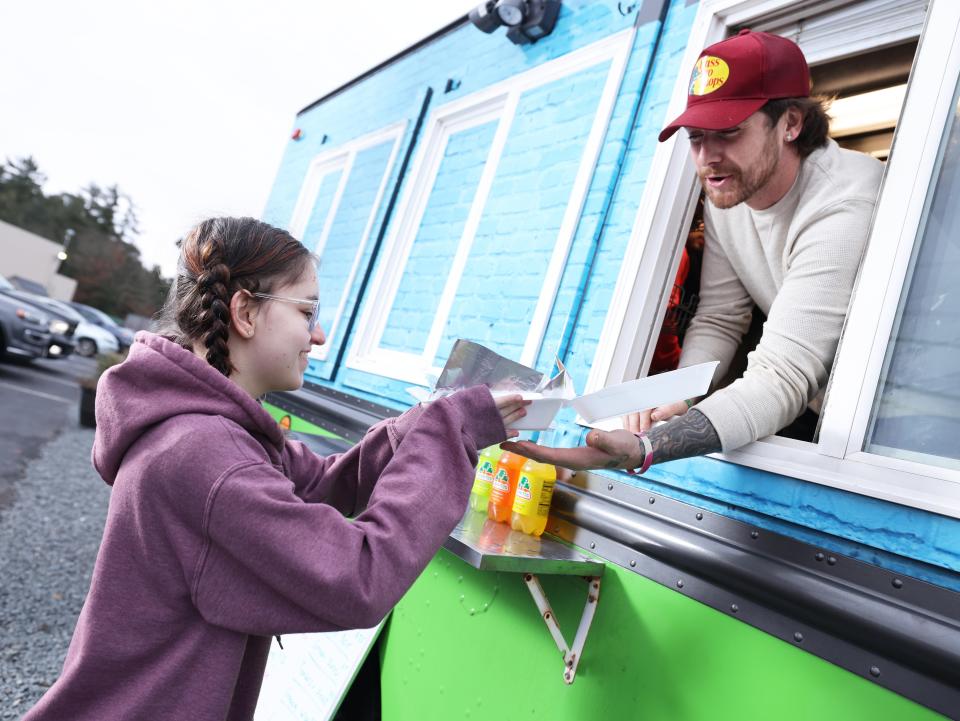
x=24, y=329
x=27, y=285
x=62, y=326
x=28, y=329
x=93, y=315
x=91, y=339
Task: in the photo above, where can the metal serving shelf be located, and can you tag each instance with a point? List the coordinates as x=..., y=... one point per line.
x=490, y=546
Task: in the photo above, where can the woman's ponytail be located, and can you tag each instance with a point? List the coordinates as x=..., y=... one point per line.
x=214, y=320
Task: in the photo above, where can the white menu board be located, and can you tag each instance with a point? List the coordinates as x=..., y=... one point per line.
x=309, y=677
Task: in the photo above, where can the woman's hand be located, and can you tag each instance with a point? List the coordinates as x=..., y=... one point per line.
x=512, y=409
x=643, y=420
x=604, y=449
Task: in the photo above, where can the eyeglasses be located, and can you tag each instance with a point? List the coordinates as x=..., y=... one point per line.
x=314, y=304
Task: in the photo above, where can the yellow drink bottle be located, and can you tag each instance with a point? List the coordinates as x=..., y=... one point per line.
x=483, y=479
x=531, y=504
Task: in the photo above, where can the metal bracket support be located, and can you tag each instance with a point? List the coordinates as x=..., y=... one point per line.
x=571, y=655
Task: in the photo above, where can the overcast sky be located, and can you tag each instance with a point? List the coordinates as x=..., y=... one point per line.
x=186, y=106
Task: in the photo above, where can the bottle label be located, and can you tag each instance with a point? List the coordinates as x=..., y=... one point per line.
x=501, y=481
x=525, y=502
x=546, y=495
x=523, y=489
x=483, y=479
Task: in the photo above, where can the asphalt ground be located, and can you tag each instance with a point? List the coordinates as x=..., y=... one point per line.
x=52, y=511
x=34, y=400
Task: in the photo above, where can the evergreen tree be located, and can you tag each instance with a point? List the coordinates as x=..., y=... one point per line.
x=97, y=226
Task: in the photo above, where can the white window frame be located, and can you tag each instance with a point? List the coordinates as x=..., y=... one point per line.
x=497, y=102
x=342, y=159
x=666, y=209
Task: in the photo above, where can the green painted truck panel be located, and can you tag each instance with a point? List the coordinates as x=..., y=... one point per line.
x=468, y=644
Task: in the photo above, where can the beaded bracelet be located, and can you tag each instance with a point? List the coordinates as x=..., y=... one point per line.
x=647, y=455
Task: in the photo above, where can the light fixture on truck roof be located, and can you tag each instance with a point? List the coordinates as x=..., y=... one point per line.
x=510, y=12
x=527, y=20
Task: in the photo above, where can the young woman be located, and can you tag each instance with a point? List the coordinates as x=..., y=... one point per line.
x=221, y=533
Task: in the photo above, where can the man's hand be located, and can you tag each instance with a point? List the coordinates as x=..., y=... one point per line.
x=604, y=449
x=689, y=434
x=644, y=420
x=512, y=409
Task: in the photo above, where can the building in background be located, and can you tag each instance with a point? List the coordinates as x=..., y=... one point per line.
x=35, y=259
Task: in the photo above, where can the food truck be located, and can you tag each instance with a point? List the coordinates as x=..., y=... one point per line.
x=501, y=182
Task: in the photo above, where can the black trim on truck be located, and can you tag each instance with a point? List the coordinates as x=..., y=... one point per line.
x=341, y=413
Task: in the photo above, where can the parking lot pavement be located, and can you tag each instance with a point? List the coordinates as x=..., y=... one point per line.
x=37, y=400
x=53, y=377
x=50, y=524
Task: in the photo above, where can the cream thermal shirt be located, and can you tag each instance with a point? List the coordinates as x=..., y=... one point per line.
x=797, y=260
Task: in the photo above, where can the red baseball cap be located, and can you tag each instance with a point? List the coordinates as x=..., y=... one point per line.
x=735, y=77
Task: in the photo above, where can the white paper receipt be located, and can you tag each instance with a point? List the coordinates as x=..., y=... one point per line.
x=645, y=393
x=621, y=399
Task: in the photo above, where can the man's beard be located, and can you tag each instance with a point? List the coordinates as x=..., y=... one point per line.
x=743, y=183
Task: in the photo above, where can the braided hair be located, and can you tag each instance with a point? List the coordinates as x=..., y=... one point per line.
x=219, y=257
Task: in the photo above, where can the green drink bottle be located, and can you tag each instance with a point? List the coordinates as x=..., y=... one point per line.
x=482, y=481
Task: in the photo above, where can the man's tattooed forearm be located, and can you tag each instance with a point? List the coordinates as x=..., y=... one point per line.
x=691, y=434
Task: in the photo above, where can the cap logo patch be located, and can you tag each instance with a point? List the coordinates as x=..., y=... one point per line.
x=709, y=74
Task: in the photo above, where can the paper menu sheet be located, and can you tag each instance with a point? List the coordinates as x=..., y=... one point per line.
x=621, y=399
x=310, y=676
x=645, y=393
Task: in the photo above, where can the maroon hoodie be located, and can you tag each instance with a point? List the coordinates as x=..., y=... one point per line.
x=221, y=534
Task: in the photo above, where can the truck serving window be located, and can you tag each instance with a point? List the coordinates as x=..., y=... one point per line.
x=916, y=413
x=887, y=389
x=865, y=94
